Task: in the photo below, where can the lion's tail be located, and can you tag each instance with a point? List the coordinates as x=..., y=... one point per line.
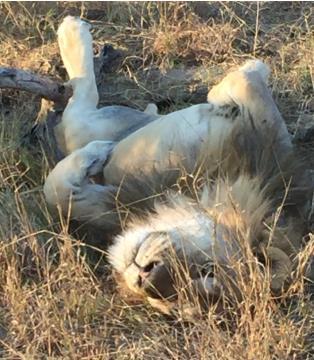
x=75, y=42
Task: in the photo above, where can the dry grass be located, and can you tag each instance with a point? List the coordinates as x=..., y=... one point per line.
x=57, y=296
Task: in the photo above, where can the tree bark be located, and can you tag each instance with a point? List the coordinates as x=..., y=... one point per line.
x=36, y=84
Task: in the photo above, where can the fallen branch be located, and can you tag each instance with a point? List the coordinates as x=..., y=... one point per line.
x=36, y=84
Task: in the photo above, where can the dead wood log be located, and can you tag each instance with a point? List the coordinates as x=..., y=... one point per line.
x=36, y=84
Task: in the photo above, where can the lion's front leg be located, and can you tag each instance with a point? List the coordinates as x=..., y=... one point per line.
x=247, y=88
x=70, y=190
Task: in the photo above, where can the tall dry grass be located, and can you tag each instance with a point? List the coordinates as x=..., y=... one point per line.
x=57, y=295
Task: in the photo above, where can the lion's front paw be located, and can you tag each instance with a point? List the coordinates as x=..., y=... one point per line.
x=95, y=156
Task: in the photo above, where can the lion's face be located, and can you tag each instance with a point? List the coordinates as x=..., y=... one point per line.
x=149, y=271
x=173, y=251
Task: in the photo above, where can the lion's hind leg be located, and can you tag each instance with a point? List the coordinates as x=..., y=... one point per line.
x=247, y=88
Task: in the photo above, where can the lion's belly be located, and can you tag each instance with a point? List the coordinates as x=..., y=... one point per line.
x=169, y=143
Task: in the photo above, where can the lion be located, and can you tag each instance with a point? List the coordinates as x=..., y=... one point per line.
x=188, y=193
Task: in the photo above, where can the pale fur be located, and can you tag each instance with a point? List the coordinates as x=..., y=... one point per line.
x=162, y=144
x=69, y=183
x=206, y=231
x=191, y=224
x=158, y=145
x=82, y=122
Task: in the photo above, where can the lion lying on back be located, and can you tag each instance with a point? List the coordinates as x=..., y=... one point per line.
x=192, y=192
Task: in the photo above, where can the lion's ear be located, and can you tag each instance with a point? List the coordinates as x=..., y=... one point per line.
x=280, y=267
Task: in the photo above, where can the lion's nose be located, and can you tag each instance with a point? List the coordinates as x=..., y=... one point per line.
x=156, y=280
x=145, y=272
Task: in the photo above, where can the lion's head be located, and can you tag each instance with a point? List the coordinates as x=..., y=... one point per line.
x=195, y=246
